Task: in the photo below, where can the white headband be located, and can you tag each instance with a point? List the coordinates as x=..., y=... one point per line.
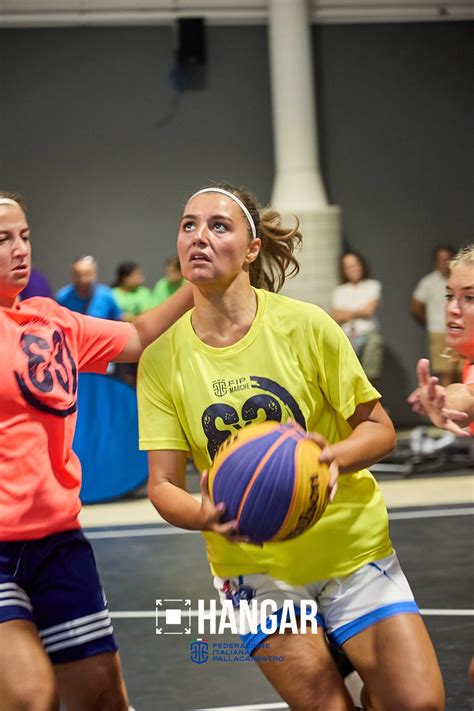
x=235, y=199
x=8, y=201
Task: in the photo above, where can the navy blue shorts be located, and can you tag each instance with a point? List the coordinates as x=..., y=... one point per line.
x=53, y=582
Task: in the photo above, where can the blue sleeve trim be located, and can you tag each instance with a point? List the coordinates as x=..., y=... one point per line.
x=15, y=612
x=342, y=634
x=252, y=641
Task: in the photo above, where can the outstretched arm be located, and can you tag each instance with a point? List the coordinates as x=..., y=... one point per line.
x=151, y=324
x=446, y=407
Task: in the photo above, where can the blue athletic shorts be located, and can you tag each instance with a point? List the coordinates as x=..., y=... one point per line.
x=53, y=582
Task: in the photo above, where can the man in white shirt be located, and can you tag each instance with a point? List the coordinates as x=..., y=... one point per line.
x=427, y=306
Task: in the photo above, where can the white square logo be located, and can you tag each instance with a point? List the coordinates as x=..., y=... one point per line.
x=173, y=616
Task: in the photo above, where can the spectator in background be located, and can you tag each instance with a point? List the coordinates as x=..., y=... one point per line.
x=85, y=295
x=37, y=285
x=129, y=292
x=427, y=307
x=354, y=306
x=170, y=283
x=133, y=298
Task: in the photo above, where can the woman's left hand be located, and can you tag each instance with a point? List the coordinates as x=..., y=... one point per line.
x=328, y=457
x=430, y=399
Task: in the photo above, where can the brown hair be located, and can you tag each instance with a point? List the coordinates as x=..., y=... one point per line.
x=362, y=262
x=276, y=260
x=14, y=196
x=443, y=248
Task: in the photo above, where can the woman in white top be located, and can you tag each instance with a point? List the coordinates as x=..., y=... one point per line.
x=354, y=306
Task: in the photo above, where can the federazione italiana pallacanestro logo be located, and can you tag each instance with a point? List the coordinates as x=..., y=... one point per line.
x=199, y=651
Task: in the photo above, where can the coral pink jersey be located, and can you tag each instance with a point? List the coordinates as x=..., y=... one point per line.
x=468, y=378
x=42, y=348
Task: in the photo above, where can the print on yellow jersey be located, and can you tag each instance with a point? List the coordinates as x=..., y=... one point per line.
x=269, y=402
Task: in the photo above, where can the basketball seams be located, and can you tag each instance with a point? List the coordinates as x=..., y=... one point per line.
x=265, y=488
x=230, y=449
x=242, y=436
x=261, y=464
x=296, y=481
x=238, y=440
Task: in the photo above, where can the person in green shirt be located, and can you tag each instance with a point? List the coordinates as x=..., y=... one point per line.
x=132, y=297
x=170, y=283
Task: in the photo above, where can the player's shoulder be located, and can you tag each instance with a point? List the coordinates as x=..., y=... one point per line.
x=47, y=311
x=294, y=311
x=171, y=340
x=44, y=306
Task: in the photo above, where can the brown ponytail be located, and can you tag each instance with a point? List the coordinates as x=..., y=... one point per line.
x=276, y=260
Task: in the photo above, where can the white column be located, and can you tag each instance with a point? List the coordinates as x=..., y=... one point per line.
x=298, y=187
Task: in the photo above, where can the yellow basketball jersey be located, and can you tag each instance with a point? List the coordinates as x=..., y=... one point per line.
x=294, y=362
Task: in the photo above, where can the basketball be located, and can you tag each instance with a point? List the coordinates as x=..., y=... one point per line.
x=269, y=478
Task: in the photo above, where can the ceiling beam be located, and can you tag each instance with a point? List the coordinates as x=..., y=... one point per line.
x=67, y=13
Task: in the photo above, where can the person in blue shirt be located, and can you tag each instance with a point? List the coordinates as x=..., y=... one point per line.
x=86, y=295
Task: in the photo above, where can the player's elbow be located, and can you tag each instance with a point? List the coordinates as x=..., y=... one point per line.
x=155, y=492
x=390, y=438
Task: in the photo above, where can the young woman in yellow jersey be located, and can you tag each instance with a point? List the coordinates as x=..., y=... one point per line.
x=245, y=354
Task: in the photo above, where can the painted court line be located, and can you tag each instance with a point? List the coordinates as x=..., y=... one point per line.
x=252, y=707
x=166, y=530
x=430, y=513
x=143, y=614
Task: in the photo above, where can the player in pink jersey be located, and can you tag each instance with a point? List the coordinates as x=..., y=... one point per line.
x=52, y=607
x=452, y=408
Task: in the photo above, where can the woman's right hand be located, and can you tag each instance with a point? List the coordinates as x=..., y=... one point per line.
x=211, y=516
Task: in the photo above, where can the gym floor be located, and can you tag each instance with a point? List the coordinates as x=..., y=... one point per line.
x=142, y=560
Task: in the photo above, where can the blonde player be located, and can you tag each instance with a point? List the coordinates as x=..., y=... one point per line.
x=452, y=407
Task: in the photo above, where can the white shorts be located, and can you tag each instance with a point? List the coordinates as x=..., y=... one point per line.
x=346, y=605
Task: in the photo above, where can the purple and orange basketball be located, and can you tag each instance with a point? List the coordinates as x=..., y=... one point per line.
x=270, y=480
